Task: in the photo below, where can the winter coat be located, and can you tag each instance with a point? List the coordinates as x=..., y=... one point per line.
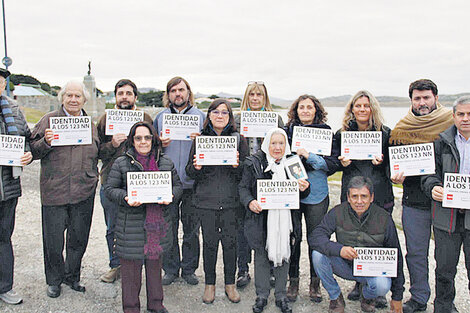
x=130, y=233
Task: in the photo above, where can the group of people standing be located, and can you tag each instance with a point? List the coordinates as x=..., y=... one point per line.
x=222, y=201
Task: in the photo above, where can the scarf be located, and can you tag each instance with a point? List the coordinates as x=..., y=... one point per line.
x=11, y=129
x=279, y=224
x=413, y=129
x=155, y=226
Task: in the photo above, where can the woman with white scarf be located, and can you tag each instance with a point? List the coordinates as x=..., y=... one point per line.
x=269, y=232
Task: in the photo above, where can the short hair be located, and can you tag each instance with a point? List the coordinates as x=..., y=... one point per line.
x=357, y=182
x=62, y=91
x=125, y=82
x=320, y=113
x=422, y=84
x=156, y=143
x=173, y=82
x=376, y=118
x=459, y=101
x=256, y=87
x=214, y=105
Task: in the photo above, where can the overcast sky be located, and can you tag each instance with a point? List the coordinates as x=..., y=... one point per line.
x=325, y=48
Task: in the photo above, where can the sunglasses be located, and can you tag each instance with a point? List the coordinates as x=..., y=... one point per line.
x=223, y=113
x=140, y=138
x=252, y=82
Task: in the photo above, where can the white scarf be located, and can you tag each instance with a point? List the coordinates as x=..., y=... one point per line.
x=279, y=224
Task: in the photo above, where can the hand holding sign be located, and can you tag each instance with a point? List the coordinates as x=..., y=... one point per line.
x=26, y=158
x=255, y=207
x=348, y=253
x=196, y=166
x=118, y=139
x=132, y=203
x=437, y=193
x=345, y=162
x=48, y=136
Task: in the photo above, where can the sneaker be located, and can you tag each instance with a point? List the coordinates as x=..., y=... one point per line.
x=191, y=279
x=412, y=306
x=168, y=279
x=111, y=276
x=243, y=279
x=11, y=297
x=337, y=305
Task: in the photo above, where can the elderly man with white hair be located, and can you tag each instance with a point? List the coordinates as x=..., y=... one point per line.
x=69, y=176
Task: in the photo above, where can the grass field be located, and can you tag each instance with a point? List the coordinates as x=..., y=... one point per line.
x=32, y=115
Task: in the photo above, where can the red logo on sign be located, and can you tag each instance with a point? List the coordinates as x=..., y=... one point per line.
x=245, y=128
x=263, y=200
x=111, y=127
x=450, y=197
x=396, y=167
x=346, y=150
x=201, y=156
x=359, y=267
x=56, y=136
x=167, y=131
x=297, y=144
x=134, y=193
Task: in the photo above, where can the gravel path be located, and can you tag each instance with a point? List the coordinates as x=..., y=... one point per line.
x=179, y=297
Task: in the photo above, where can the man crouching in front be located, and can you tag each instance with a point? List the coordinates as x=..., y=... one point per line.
x=356, y=223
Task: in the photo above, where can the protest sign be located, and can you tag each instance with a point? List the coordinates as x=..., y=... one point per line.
x=180, y=126
x=315, y=140
x=456, y=191
x=413, y=160
x=68, y=131
x=278, y=194
x=149, y=187
x=11, y=150
x=295, y=169
x=361, y=145
x=121, y=121
x=375, y=262
x=257, y=123
x=216, y=150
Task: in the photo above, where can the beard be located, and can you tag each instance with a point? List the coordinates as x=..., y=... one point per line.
x=417, y=112
x=182, y=104
x=125, y=105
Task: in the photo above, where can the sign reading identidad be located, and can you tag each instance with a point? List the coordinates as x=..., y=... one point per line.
x=11, y=150
x=456, y=191
x=70, y=131
x=315, y=140
x=413, y=160
x=361, y=145
x=180, y=126
x=121, y=121
x=257, y=123
x=375, y=262
x=277, y=194
x=149, y=187
x=216, y=150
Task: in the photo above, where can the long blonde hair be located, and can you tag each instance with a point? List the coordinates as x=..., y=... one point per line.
x=256, y=87
x=376, y=119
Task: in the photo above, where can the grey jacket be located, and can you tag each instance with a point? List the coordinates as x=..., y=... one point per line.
x=447, y=161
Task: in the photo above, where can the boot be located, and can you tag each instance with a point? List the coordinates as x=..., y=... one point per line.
x=337, y=306
x=315, y=291
x=111, y=275
x=232, y=293
x=209, y=294
x=355, y=294
x=293, y=290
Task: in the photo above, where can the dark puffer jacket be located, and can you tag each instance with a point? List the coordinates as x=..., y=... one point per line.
x=10, y=187
x=256, y=224
x=130, y=232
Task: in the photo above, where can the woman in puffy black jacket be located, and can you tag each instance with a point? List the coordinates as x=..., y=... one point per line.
x=141, y=228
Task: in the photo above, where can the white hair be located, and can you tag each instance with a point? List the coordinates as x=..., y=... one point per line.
x=62, y=91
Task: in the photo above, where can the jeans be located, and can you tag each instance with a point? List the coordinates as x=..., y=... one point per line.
x=327, y=266
x=110, y=215
x=7, y=223
x=417, y=229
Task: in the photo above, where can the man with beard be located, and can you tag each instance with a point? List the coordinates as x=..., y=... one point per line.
x=179, y=99
x=423, y=123
x=111, y=147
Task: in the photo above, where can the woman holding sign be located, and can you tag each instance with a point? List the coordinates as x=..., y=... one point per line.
x=269, y=231
x=215, y=194
x=307, y=111
x=140, y=228
x=363, y=114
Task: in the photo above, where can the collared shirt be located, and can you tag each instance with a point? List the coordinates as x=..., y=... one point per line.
x=68, y=114
x=463, y=145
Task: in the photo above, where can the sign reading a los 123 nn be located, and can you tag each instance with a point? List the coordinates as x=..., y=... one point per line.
x=216, y=150
x=315, y=140
x=121, y=121
x=11, y=150
x=361, y=145
x=277, y=194
x=375, y=262
x=456, y=191
x=69, y=131
x=412, y=160
x=149, y=187
x=180, y=126
x=257, y=123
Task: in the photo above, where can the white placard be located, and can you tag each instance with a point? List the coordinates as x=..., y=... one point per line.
x=278, y=194
x=11, y=150
x=149, y=187
x=375, y=262
x=69, y=131
x=456, y=191
x=257, y=123
x=413, y=160
x=216, y=150
x=361, y=145
x=315, y=140
x=295, y=169
x=121, y=121
x=180, y=126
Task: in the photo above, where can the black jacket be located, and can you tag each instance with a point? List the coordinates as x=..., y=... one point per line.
x=216, y=186
x=130, y=232
x=255, y=224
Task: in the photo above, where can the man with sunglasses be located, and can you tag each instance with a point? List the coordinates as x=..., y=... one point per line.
x=179, y=99
x=111, y=147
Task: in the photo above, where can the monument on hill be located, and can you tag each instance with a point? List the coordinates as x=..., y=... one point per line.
x=93, y=106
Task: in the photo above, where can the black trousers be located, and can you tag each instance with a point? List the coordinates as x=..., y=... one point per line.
x=76, y=219
x=313, y=214
x=244, y=249
x=447, y=253
x=7, y=223
x=219, y=225
x=172, y=262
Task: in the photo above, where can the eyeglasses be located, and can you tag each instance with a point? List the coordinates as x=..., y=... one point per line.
x=140, y=138
x=217, y=112
x=252, y=82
